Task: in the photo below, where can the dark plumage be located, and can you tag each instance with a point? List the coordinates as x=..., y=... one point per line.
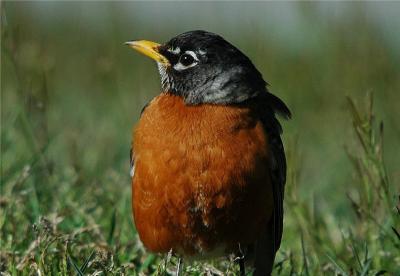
x=223, y=75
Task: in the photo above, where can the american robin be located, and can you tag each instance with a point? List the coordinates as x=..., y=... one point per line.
x=207, y=161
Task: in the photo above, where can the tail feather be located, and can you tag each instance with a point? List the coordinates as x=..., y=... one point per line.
x=265, y=253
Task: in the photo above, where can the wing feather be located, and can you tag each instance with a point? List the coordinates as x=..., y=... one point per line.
x=131, y=152
x=269, y=243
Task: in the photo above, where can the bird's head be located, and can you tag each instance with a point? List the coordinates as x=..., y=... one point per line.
x=202, y=67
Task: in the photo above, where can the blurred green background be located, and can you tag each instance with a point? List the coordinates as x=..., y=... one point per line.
x=71, y=92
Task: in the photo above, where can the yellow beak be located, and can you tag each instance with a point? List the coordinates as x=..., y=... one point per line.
x=148, y=48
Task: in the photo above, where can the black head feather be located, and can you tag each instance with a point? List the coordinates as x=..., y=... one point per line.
x=205, y=68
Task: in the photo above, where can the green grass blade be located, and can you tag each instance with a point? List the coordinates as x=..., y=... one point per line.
x=112, y=227
x=149, y=260
x=338, y=267
x=303, y=250
x=75, y=266
x=84, y=266
x=366, y=267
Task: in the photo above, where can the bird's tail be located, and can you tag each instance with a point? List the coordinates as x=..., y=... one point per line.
x=265, y=253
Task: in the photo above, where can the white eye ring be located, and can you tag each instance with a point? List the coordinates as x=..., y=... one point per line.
x=179, y=66
x=175, y=51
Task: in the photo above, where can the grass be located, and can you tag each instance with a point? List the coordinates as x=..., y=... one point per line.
x=66, y=112
x=368, y=246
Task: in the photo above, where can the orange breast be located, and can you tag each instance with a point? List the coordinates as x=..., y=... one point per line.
x=201, y=181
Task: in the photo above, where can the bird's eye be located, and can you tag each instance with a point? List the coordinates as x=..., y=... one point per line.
x=186, y=59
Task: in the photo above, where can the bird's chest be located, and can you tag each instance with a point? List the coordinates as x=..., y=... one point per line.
x=199, y=169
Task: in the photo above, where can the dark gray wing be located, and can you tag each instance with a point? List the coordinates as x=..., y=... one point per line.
x=270, y=242
x=131, y=152
x=131, y=162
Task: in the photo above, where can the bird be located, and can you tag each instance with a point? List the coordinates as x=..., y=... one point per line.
x=208, y=165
